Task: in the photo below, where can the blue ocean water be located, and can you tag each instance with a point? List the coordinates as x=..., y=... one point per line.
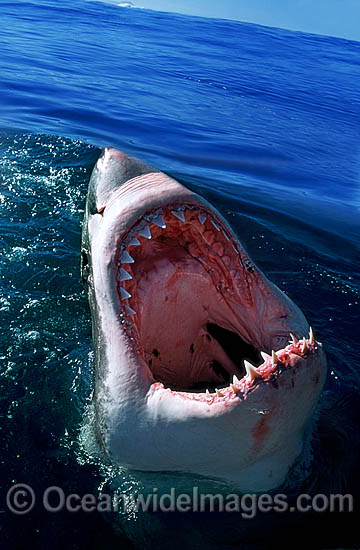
x=263, y=122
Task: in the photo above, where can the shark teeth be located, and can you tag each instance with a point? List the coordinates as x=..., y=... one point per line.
x=238, y=386
x=124, y=294
x=130, y=310
x=179, y=214
x=134, y=242
x=215, y=225
x=145, y=232
x=202, y=218
x=225, y=235
x=125, y=258
x=304, y=346
x=303, y=343
x=123, y=275
x=159, y=221
x=251, y=371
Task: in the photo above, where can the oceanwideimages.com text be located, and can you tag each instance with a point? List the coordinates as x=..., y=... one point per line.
x=21, y=499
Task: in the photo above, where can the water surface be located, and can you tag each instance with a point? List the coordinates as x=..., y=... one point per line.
x=263, y=122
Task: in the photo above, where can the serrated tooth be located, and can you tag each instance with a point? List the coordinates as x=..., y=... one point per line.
x=215, y=225
x=130, y=310
x=294, y=340
x=202, y=218
x=235, y=380
x=159, y=221
x=125, y=258
x=123, y=275
x=145, y=232
x=179, y=214
x=236, y=250
x=219, y=393
x=124, y=294
x=134, y=242
x=208, y=396
x=311, y=336
x=234, y=388
x=251, y=371
x=274, y=358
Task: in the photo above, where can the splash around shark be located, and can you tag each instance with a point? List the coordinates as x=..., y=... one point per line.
x=202, y=365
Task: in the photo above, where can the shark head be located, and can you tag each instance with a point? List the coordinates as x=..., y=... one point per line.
x=202, y=365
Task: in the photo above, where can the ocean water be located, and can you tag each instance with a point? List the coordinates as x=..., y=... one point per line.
x=263, y=122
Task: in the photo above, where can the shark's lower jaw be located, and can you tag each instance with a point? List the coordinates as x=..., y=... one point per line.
x=186, y=299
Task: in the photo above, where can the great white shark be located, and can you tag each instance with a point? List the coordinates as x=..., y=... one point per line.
x=202, y=365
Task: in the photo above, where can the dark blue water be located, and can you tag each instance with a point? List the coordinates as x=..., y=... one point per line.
x=263, y=122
